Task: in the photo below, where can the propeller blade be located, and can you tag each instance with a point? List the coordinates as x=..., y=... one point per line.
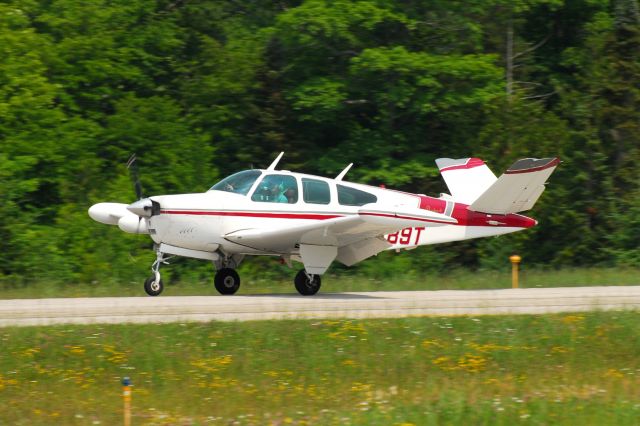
x=132, y=165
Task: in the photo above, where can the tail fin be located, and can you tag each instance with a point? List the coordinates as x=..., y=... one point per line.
x=518, y=188
x=467, y=178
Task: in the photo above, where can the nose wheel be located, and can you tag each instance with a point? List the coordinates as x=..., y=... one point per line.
x=153, y=286
x=307, y=284
x=227, y=281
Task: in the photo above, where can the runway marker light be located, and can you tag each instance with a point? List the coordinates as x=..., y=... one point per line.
x=515, y=260
x=126, y=397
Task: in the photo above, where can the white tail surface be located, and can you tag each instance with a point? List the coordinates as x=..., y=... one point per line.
x=466, y=178
x=518, y=189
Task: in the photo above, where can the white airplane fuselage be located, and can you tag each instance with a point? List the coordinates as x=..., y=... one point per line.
x=200, y=221
x=316, y=220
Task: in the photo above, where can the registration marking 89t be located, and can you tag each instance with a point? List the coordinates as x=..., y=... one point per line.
x=403, y=237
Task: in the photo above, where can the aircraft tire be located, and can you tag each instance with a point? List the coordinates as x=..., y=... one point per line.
x=227, y=281
x=151, y=288
x=305, y=286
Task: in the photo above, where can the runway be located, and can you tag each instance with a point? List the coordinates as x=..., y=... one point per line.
x=26, y=312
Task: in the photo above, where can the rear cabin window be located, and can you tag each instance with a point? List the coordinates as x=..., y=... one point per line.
x=315, y=191
x=354, y=197
x=277, y=189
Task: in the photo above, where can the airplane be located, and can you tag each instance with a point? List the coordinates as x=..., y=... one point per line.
x=316, y=220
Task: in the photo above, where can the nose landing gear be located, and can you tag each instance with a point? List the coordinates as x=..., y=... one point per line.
x=153, y=285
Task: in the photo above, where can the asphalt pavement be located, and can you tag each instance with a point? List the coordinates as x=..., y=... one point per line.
x=26, y=312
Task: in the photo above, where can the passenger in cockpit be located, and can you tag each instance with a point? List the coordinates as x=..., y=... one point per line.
x=291, y=194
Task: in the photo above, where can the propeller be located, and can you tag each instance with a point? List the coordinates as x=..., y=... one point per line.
x=144, y=207
x=132, y=165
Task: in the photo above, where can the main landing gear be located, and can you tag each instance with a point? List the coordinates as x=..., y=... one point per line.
x=307, y=284
x=227, y=280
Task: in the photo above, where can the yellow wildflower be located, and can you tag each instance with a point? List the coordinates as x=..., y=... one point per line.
x=572, y=319
x=472, y=363
x=76, y=350
x=612, y=372
x=428, y=344
x=489, y=347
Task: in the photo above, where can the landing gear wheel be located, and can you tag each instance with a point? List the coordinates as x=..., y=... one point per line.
x=307, y=284
x=152, y=287
x=227, y=281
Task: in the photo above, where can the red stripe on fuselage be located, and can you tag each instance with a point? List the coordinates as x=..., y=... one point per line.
x=466, y=217
x=432, y=204
x=311, y=216
x=461, y=213
x=397, y=216
x=470, y=218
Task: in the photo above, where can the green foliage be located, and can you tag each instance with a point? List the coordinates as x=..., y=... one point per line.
x=201, y=89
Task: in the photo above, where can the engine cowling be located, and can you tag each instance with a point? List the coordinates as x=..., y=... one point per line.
x=108, y=213
x=133, y=224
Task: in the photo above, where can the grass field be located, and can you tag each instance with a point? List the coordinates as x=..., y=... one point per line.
x=331, y=282
x=554, y=369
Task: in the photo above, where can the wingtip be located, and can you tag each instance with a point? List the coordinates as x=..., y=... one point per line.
x=528, y=165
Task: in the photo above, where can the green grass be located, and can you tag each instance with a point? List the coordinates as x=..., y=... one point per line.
x=554, y=369
x=337, y=282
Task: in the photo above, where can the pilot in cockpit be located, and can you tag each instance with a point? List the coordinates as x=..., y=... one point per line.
x=277, y=194
x=277, y=189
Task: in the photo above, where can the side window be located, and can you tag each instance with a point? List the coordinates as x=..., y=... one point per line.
x=354, y=197
x=277, y=189
x=315, y=191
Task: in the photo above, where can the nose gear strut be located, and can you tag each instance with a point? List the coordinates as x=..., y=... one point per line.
x=153, y=285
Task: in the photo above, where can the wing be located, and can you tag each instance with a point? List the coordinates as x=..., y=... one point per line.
x=348, y=239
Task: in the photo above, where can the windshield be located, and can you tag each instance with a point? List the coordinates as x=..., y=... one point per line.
x=239, y=183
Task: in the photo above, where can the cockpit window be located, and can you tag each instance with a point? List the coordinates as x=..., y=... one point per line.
x=239, y=183
x=277, y=189
x=354, y=197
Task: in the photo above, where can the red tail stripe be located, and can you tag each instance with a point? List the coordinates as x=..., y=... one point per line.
x=473, y=162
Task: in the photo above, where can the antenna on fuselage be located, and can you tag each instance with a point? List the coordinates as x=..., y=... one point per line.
x=275, y=162
x=344, y=172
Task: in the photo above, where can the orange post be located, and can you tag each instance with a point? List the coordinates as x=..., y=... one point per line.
x=515, y=260
x=126, y=397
